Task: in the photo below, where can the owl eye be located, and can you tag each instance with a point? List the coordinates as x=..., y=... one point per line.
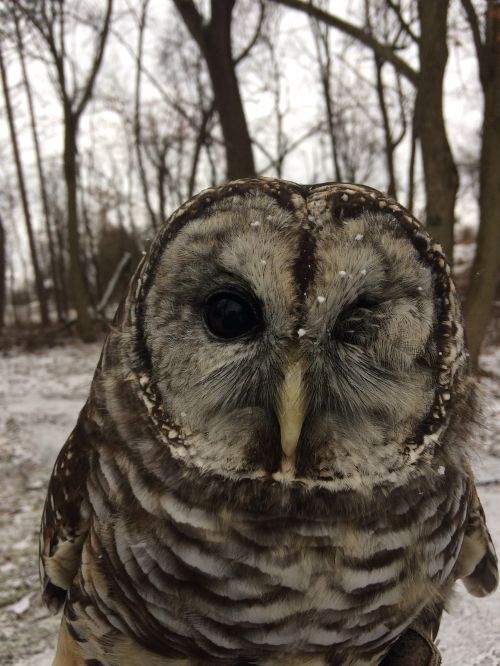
x=363, y=303
x=229, y=315
x=356, y=322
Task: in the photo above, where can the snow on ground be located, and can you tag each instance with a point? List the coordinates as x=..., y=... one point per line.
x=40, y=396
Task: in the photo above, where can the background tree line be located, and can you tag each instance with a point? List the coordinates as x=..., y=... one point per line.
x=116, y=112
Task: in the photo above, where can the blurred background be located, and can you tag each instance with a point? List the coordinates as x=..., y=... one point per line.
x=114, y=112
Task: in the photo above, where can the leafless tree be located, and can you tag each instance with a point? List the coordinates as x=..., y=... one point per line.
x=39, y=285
x=39, y=164
x=214, y=40
x=50, y=20
x=321, y=35
x=138, y=114
x=3, y=275
x=485, y=272
x=394, y=124
x=440, y=172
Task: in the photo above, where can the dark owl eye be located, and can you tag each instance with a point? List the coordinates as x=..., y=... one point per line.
x=357, y=322
x=363, y=303
x=229, y=315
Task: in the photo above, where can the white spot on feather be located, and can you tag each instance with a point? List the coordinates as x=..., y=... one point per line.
x=301, y=332
x=320, y=299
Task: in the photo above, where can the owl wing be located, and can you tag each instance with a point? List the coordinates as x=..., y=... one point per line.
x=477, y=563
x=65, y=518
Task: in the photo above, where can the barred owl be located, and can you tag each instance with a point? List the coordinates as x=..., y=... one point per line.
x=272, y=465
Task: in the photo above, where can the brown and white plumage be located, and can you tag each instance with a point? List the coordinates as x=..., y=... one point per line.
x=297, y=494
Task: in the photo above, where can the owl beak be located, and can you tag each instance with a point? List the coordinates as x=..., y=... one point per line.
x=291, y=408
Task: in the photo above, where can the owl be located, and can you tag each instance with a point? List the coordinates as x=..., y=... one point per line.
x=272, y=465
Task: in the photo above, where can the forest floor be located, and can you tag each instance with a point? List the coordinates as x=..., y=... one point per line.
x=41, y=393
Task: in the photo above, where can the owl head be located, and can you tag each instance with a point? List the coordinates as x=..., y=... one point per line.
x=293, y=334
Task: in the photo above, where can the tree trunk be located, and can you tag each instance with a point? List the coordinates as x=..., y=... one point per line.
x=3, y=275
x=227, y=96
x=214, y=41
x=61, y=260
x=41, y=176
x=79, y=294
x=440, y=172
x=486, y=267
x=138, y=115
x=39, y=286
x=324, y=58
x=388, y=140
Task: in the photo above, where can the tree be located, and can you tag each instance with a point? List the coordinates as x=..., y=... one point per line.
x=49, y=18
x=440, y=172
x=40, y=289
x=214, y=41
x=3, y=276
x=40, y=170
x=486, y=266
x=138, y=114
x=392, y=137
x=321, y=35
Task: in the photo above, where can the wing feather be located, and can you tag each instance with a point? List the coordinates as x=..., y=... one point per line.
x=65, y=518
x=477, y=563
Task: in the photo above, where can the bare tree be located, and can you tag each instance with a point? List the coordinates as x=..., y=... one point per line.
x=441, y=178
x=321, y=35
x=39, y=286
x=49, y=18
x=3, y=275
x=138, y=113
x=440, y=171
x=392, y=137
x=384, y=51
x=486, y=267
x=40, y=170
x=214, y=41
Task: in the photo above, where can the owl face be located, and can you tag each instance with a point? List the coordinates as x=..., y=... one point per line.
x=292, y=347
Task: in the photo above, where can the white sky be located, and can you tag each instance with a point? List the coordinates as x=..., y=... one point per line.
x=104, y=129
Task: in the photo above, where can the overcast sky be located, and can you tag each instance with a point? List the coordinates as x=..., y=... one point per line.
x=299, y=95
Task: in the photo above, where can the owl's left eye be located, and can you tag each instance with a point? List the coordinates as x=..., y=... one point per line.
x=229, y=315
x=357, y=322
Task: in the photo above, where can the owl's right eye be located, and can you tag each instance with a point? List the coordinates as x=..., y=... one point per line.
x=229, y=315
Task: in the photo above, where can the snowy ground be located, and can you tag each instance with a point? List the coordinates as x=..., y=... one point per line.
x=40, y=396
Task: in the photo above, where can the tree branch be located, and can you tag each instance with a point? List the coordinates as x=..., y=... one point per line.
x=193, y=20
x=476, y=34
x=404, y=24
x=255, y=36
x=87, y=91
x=383, y=51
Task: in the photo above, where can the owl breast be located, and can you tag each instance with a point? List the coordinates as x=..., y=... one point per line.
x=222, y=584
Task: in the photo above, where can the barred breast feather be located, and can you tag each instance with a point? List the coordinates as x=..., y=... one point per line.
x=226, y=584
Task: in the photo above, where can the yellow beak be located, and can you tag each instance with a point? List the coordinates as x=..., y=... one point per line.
x=291, y=407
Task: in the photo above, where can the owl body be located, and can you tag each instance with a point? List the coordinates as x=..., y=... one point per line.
x=271, y=467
